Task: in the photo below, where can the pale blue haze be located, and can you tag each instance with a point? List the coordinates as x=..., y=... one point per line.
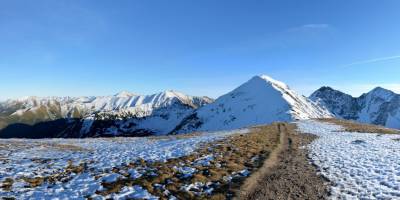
x=207, y=47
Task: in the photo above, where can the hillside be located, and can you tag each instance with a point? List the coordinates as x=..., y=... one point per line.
x=261, y=100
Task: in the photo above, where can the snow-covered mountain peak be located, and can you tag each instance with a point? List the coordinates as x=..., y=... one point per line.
x=272, y=81
x=379, y=106
x=173, y=93
x=327, y=89
x=263, y=86
x=337, y=102
x=124, y=94
x=328, y=92
x=261, y=100
x=380, y=92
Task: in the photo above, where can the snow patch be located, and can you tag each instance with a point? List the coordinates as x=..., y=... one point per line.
x=42, y=158
x=360, y=165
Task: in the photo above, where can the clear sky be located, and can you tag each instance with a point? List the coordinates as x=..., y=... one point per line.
x=207, y=47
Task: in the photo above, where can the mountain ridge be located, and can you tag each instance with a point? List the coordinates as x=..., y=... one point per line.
x=129, y=111
x=260, y=100
x=379, y=106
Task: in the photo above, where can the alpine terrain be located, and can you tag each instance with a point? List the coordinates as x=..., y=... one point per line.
x=379, y=106
x=121, y=114
x=261, y=100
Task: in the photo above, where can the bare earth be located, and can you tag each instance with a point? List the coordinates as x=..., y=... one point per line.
x=287, y=173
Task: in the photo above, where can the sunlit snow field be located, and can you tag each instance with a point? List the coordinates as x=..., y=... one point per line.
x=21, y=158
x=360, y=165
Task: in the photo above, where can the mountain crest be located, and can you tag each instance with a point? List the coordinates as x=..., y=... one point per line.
x=379, y=106
x=125, y=94
x=271, y=81
x=382, y=92
x=261, y=100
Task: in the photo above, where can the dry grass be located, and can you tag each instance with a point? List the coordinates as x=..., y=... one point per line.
x=7, y=184
x=34, y=182
x=67, y=147
x=287, y=173
x=234, y=154
x=352, y=126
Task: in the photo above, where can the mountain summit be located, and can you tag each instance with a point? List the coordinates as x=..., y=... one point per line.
x=379, y=106
x=260, y=100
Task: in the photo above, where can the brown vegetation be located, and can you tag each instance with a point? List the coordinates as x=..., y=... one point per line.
x=352, y=126
x=7, y=184
x=236, y=153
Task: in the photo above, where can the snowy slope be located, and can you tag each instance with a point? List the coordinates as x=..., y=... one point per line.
x=359, y=165
x=379, y=106
x=124, y=113
x=102, y=155
x=260, y=100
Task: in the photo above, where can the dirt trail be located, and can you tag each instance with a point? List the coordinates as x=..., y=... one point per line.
x=268, y=165
x=287, y=173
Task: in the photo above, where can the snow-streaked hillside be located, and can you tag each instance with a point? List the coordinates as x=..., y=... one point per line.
x=379, y=106
x=261, y=100
x=124, y=113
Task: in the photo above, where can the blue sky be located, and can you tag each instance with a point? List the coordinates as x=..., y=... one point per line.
x=208, y=47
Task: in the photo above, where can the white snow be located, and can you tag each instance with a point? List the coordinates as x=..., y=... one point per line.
x=204, y=161
x=186, y=171
x=135, y=192
x=261, y=100
x=40, y=158
x=360, y=165
x=140, y=105
x=111, y=178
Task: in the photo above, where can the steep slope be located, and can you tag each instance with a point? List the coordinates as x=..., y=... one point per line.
x=261, y=100
x=121, y=114
x=379, y=106
x=339, y=103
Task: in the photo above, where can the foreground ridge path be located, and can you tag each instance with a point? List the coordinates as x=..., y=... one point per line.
x=287, y=173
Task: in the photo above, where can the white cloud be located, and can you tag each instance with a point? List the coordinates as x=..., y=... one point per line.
x=316, y=26
x=311, y=27
x=373, y=60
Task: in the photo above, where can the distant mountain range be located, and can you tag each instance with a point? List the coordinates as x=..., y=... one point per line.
x=379, y=106
x=123, y=114
x=261, y=100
